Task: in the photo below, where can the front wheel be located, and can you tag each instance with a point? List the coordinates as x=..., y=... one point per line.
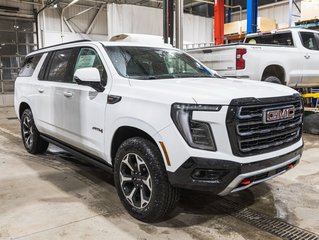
x=31, y=138
x=141, y=180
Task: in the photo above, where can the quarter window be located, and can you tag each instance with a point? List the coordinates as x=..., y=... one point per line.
x=89, y=58
x=29, y=65
x=309, y=40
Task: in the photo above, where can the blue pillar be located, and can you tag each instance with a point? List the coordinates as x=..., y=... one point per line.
x=252, y=12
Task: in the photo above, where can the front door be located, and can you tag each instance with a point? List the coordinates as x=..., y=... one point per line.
x=83, y=107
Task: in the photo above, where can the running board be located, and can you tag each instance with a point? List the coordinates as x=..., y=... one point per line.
x=100, y=163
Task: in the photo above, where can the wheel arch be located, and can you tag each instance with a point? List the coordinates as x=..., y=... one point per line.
x=275, y=70
x=125, y=132
x=22, y=107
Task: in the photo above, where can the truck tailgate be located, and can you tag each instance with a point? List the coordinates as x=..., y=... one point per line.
x=221, y=59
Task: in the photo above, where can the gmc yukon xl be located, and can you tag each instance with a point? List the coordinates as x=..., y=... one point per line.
x=158, y=120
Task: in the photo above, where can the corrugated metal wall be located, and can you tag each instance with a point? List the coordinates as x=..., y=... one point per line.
x=278, y=11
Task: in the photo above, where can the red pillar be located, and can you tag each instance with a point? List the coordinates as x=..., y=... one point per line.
x=219, y=16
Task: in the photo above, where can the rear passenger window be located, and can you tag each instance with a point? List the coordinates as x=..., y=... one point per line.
x=29, y=65
x=283, y=39
x=309, y=40
x=62, y=65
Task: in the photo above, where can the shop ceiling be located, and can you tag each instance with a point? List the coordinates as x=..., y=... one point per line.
x=197, y=7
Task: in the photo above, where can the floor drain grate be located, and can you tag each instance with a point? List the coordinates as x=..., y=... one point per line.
x=266, y=223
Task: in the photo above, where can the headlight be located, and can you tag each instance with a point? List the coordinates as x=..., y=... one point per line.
x=197, y=134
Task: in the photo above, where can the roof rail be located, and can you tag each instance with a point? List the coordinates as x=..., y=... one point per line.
x=60, y=44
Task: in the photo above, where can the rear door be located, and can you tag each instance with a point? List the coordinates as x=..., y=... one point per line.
x=56, y=75
x=310, y=42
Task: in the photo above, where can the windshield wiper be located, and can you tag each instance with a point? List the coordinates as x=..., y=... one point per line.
x=150, y=77
x=181, y=75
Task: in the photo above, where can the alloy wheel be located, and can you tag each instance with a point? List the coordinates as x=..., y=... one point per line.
x=135, y=180
x=27, y=131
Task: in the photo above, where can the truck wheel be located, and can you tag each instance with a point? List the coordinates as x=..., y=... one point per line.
x=273, y=79
x=311, y=123
x=30, y=135
x=141, y=180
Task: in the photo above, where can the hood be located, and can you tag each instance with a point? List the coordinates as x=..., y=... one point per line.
x=211, y=90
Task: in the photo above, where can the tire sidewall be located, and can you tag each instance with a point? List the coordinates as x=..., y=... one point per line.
x=154, y=162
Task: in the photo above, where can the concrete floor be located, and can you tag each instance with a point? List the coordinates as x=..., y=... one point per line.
x=55, y=196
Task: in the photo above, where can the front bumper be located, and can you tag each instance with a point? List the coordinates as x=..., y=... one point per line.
x=223, y=177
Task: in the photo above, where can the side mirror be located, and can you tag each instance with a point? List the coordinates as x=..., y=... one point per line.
x=89, y=77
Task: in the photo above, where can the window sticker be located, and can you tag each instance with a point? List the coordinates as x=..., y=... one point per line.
x=85, y=61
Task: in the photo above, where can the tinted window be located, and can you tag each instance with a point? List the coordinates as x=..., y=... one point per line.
x=309, y=40
x=89, y=58
x=62, y=66
x=29, y=65
x=284, y=39
x=154, y=63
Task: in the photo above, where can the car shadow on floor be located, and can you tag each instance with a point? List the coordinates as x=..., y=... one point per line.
x=95, y=188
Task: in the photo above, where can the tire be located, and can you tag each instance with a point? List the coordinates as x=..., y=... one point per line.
x=141, y=181
x=273, y=79
x=310, y=124
x=32, y=141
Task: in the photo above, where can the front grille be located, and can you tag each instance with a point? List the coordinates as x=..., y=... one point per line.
x=248, y=133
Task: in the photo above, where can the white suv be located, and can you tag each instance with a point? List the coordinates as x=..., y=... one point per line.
x=158, y=119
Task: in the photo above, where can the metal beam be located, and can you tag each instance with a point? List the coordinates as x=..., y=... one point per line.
x=252, y=13
x=171, y=21
x=80, y=13
x=94, y=19
x=165, y=21
x=219, y=21
x=68, y=25
x=179, y=23
x=290, y=13
x=16, y=15
x=62, y=19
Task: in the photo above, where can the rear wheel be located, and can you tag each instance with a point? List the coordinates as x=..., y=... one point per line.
x=273, y=79
x=30, y=135
x=141, y=180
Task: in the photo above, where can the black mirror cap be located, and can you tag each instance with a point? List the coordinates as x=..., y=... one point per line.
x=97, y=86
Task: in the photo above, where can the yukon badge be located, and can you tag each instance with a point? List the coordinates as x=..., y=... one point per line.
x=278, y=114
x=97, y=129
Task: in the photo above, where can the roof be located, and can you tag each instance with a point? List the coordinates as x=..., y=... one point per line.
x=104, y=43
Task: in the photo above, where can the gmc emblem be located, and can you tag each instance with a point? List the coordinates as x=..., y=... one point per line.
x=278, y=114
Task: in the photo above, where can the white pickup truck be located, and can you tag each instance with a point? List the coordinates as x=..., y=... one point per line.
x=288, y=56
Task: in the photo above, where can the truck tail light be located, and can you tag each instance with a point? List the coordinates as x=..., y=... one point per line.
x=240, y=61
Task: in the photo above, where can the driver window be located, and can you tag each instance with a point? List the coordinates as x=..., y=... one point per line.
x=89, y=58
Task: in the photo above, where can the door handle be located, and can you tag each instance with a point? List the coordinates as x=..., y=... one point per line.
x=68, y=94
x=307, y=56
x=40, y=90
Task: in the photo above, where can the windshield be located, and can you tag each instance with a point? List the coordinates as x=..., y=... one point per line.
x=155, y=63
